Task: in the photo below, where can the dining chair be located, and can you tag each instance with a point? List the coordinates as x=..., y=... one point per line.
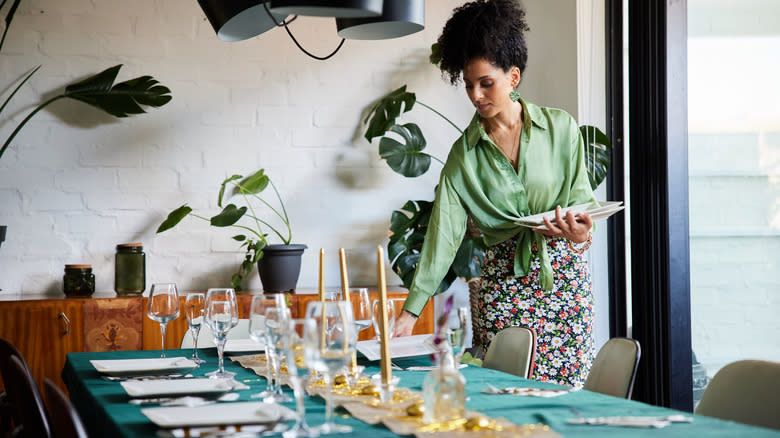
x=512, y=351
x=24, y=392
x=65, y=421
x=206, y=339
x=614, y=369
x=746, y=391
x=9, y=413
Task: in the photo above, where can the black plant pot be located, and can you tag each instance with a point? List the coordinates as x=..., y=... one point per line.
x=2, y=233
x=280, y=267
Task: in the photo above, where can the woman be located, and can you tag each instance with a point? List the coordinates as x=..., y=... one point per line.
x=514, y=159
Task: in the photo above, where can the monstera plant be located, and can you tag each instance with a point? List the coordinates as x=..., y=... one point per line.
x=409, y=224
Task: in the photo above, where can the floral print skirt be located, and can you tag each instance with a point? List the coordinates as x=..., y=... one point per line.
x=562, y=319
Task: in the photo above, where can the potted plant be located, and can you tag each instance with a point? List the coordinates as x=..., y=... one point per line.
x=409, y=224
x=278, y=265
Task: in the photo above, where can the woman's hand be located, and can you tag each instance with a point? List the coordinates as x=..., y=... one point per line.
x=574, y=228
x=404, y=324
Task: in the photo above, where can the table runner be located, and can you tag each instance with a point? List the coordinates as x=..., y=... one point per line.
x=104, y=409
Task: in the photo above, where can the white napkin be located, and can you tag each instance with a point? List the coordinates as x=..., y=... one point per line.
x=217, y=414
x=148, y=388
x=142, y=365
x=242, y=345
x=657, y=422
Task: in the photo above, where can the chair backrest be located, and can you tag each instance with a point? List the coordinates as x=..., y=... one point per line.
x=614, y=369
x=9, y=410
x=65, y=421
x=22, y=389
x=206, y=339
x=512, y=351
x=746, y=391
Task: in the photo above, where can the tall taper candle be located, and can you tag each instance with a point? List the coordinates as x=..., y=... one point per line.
x=384, y=335
x=344, y=277
x=321, y=284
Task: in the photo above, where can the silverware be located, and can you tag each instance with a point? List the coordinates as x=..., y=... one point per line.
x=187, y=400
x=147, y=377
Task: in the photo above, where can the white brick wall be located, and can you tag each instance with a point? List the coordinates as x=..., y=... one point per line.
x=77, y=182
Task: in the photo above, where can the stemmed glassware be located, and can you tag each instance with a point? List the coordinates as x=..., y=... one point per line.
x=275, y=319
x=163, y=306
x=257, y=310
x=221, y=315
x=290, y=345
x=456, y=335
x=390, y=317
x=194, y=307
x=362, y=308
x=328, y=345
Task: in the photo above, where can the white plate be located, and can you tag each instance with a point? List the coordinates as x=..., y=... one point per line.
x=148, y=388
x=405, y=346
x=597, y=211
x=142, y=366
x=242, y=345
x=217, y=414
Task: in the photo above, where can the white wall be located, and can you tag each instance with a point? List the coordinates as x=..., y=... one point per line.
x=76, y=182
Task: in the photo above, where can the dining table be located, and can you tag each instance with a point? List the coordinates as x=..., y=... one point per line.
x=105, y=410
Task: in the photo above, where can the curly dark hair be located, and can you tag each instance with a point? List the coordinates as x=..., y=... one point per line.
x=490, y=29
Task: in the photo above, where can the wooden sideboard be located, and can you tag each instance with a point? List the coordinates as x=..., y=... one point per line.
x=45, y=329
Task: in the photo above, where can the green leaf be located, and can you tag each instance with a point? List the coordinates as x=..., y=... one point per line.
x=598, y=154
x=406, y=158
x=174, y=218
x=408, y=227
x=239, y=237
x=228, y=216
x=124, y=98
x=435, y=56
x=386, y=110
x=235, y=281
x=467, y=358
x=469, y=258
x=254, y=184
x=222, y=188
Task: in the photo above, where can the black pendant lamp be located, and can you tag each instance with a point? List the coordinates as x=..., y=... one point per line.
x=399, y=18
x=329, y=8
x=237, y=20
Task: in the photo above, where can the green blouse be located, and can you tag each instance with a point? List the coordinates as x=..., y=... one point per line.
x=478, y=181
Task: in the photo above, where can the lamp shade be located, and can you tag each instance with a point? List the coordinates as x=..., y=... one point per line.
x=399, y=18
x=329, y=8
x=237, y=20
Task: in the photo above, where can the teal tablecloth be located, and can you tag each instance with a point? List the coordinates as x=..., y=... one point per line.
x=104, y=409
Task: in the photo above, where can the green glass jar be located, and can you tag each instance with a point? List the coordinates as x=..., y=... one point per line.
x=78, y=281
x=130, y=270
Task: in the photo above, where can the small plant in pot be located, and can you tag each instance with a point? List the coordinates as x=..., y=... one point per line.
x=278, y=265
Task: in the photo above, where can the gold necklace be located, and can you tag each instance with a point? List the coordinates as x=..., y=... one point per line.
x=511, y=156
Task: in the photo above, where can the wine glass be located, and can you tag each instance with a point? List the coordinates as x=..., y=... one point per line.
x=390, y=317
x=194, y=306
x=261, y=303
x=275, y=319
x=362, y=308
x=221, y=315
x=328, y=345
x=290, y=344
x=332, y=295
x=163, y=306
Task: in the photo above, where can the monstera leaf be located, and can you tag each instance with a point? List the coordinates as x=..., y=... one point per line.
x=386, y=110
x=120, y=100
x=406, y=158
x=598, y=154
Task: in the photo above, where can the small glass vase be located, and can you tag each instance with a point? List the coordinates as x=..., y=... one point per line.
x=444, y=391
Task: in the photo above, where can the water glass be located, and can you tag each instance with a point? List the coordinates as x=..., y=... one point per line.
x=390, y=317
x=221, y=315
x=361, y=307
x=260, y=304
x=194, y=306
x=163, y=306
x=275, y=320
x=291, y=343
x=328, y=345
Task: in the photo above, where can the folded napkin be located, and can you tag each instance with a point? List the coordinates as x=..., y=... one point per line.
x=146, y=388
x=657, y=422
x=218, y=414
x=142, y=365
x=533, y=392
